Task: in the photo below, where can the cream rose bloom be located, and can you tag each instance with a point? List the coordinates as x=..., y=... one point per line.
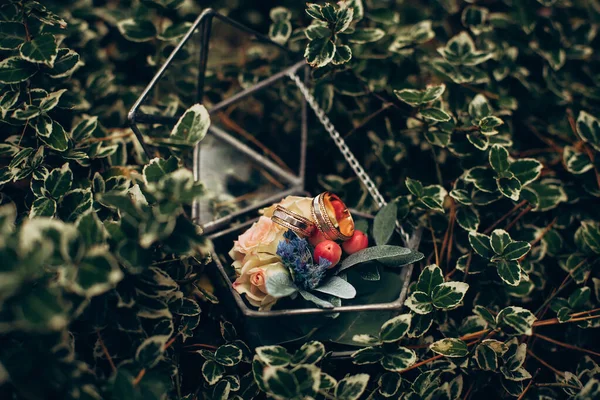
x=297, y=204
x=253, y=280
x=262, y=237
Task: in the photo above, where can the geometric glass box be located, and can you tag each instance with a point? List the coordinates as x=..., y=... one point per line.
x=243, y=174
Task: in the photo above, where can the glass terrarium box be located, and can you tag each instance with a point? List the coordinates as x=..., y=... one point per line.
x=254, y=155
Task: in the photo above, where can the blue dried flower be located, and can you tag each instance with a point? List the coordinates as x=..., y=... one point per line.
x=296, y=255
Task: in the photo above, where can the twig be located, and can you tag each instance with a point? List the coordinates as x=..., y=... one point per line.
x=435, y=248
x=522, y=395
x=326, y=395
x=544, y=232
x=566, y=345
x=365, y=121
x=105, y=351
x=202, y=346
x=554, y=321
x=482, y=91
x=545, y=364
x=518, y=217
x=471, y=386
x=141, y=374
x=557, y=384
x=508, y=214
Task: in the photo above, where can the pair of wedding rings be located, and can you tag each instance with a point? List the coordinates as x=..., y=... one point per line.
x=330, y=216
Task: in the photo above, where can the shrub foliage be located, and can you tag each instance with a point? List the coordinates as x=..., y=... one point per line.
x=479, y=120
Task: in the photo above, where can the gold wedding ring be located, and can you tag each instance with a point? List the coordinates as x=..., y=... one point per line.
x=294, y=222
x=332, y=217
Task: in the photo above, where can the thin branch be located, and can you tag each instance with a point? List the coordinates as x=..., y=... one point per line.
x=368, y=119
x=545, y=364
x=106, y=353
x=435, y=248
x=522, y=395
x=566, y=345
x=518, y=217
x=508, y=214
x=202, y=346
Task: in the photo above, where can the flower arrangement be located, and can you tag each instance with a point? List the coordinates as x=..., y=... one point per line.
x=303, y=247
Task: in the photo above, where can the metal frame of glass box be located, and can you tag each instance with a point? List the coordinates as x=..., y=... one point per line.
x=220, y=227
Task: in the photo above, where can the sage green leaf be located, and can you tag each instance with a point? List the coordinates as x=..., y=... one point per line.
x=367, y=355
x=366, y=35
x=588, y=128
x=450, y=347
x=516, y=250
x=58, y=182
x=334, y=286
x=430, y=277
x=449, y=295
x=317, y=300
x=137, y=30
x=419, y=303
x=12, y=35
x=391, y=256
x=416, y=97
x=192, y=126
x=399, y=360
x=42, y=207
x=212, y=372
x=499, y=159
x=509, y=272
x=435, y=114
x=15, y=69
x=150, y=351
x=320, y=52
x=279, y=284
x=276, y=356
x=351, y=387
x=385, y=223
x=309, y=353
x=518, y=318
x=66, y=63
x=395, y=329
x=481, y=244
x=228, y=355
x=499, y=239
x=468, y=218
x=526, y=170
x=41, y=50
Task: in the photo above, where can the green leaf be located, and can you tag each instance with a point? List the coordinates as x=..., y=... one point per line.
x=310, y=353
x=15, y=69
x=343, y=54
x=12, y=35
x=280, y=382
x=192, y=126
x=343, y=18
x=590, y=233
x=66, y=63
x=399, y=360
x=58, y=182
x=334, y=286
x=479, y=107
x=98, y=272
x=468, y=218
x=137, y=30
x=526, y=170
x=228, y=355
x=395, y=329
x=518, y=318
x=548, y=195
x=483, y=179
x=280, y=284
x=510, y=187
x=487, y=125
x=212, y=372
x=385, y=223
x=317, y=30
x=158, y=168
x=516, y=250
x=499, y=159
x=42, y=207
x=58, y=138
x=367, y=355
x=84, y=129
x=579, y=297
x=430, y=277
x=415, y=187
x=389, y=384
x=391, y=256
x=576, y=162
x=416, y=97
x=41, y=50
x=419, y=303
x=149, y=352
x=276, y=356
x=509, y=272
x=366, y=35
x=449, y=295
x=175, y=31
x=351, y=387
x=499, y=240
x=481, y=244
x=320, y=52
x=588, y=128
x=460, y=50
x=435, y=114
x=450, y=347
x=486, y=357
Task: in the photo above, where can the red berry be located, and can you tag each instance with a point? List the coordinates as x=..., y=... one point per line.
x=316, y=237
x=328, y=250
x=357, y=242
